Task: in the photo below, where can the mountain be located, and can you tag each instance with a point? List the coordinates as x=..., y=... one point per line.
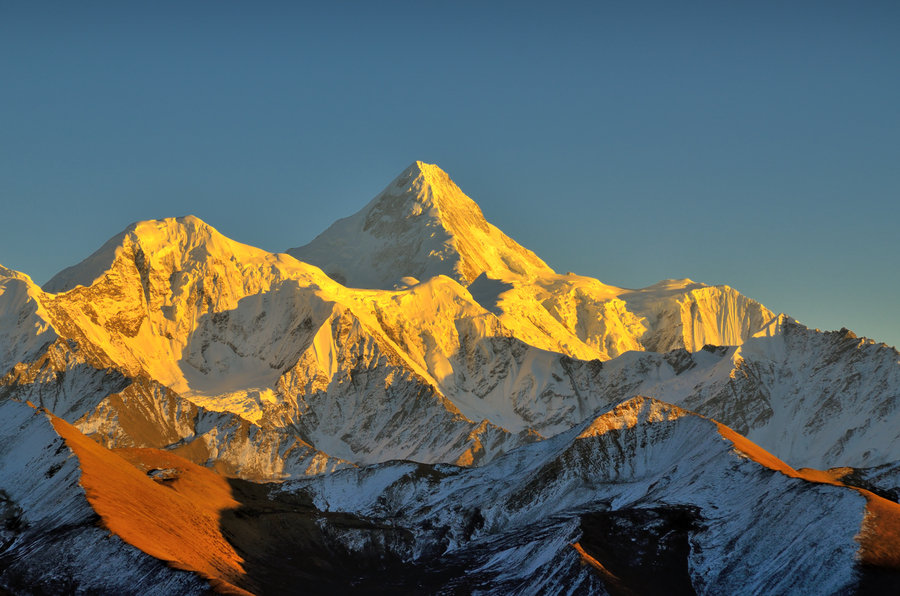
x=814, y=399
x=174, y=336
x=250, y=340
x=414, y=401
x=420, y=226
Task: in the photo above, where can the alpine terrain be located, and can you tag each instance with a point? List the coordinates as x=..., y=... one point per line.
x=414, y=403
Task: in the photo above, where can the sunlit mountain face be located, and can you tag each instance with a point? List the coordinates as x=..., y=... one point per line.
x=415, y=403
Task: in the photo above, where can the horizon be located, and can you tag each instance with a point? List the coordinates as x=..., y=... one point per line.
x=748, y=146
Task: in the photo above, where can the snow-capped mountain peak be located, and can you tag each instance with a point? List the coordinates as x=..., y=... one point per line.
x=151, y=295
x=421, y=225
x=174, y=242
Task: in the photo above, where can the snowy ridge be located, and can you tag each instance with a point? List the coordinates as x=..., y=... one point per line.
x=586, y=319
x=813, y=399
x=643, y=455
x=690, y=315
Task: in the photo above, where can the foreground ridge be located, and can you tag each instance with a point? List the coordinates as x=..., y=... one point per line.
x=646, y=485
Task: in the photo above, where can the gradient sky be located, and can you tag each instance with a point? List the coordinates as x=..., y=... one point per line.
x=750, y=143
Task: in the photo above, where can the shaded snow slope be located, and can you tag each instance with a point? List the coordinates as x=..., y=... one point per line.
x=752, y=528
x=121, y=411
x=814, y=399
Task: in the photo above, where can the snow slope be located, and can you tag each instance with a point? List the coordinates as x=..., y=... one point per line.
x=813, y=399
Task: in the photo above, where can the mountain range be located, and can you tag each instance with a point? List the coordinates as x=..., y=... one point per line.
x=415, y=403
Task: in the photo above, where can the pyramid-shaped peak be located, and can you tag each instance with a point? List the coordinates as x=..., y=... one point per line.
x=429, y=171
x=420, y=167
x=431, y=175
x=422, y=195
x=427, y=184
x=421, y=225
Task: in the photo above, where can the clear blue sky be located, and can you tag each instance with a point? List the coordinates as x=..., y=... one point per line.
x=750, y=143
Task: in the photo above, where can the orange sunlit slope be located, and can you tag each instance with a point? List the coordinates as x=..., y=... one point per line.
x=178, y=523
x=615, y=585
